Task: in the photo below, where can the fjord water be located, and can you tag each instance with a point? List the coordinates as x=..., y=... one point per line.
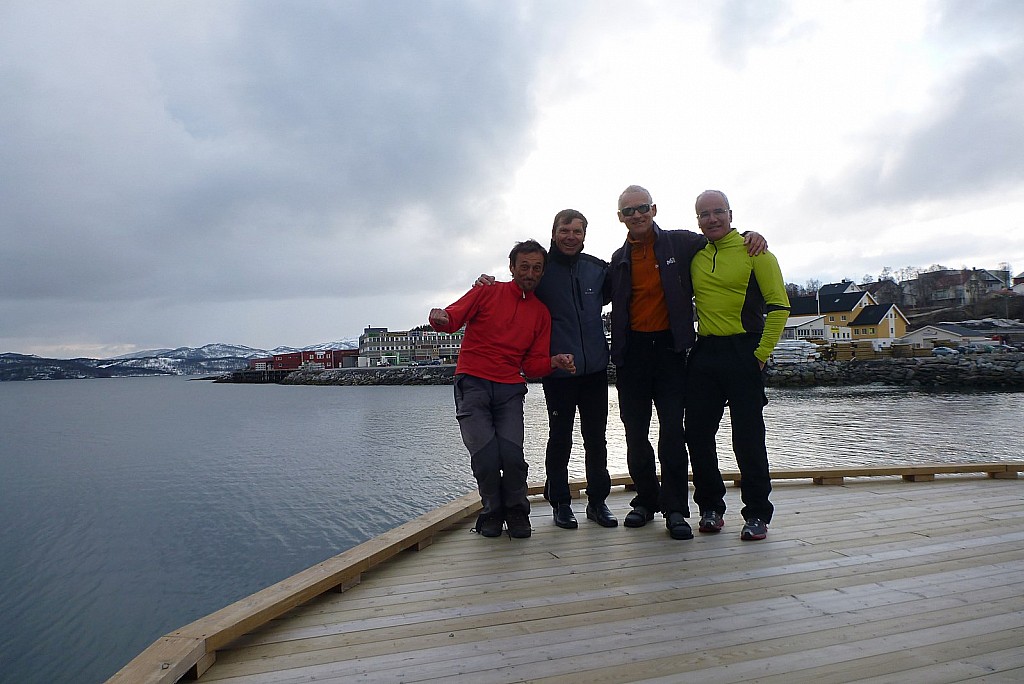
x=130, y=507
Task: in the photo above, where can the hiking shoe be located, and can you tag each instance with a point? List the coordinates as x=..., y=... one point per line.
x=711, y=522
x=677, y=526
x=518, y=524
x=638, y=517
x=754, y=529
x=564, y=517
x=489, y=526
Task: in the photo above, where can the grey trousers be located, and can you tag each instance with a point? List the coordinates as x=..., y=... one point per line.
x=490, y=416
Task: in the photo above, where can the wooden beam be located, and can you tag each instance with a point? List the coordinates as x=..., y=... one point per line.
x=165, y=661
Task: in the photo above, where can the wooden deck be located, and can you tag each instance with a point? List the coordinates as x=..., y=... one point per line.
x=877, y=580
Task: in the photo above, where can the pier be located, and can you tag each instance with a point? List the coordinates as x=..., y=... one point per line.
x=882, y=578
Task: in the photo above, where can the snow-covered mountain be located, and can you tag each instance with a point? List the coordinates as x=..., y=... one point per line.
x=206, y=360
x=208, y=351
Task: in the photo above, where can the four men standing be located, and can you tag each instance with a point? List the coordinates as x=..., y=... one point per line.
x=649, y=286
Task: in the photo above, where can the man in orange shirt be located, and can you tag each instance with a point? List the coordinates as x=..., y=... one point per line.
x=652, y=329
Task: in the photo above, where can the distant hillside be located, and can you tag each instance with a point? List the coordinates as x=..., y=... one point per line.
x=27, y=367
x=209, y=359
x=999, y=306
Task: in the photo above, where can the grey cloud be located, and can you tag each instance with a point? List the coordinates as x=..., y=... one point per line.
x=251, y=150
x=961, y=21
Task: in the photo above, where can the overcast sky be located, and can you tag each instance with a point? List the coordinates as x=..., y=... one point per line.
x=288, y=173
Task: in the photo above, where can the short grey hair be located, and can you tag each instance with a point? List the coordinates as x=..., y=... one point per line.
x=635, y=188
x=716, y=192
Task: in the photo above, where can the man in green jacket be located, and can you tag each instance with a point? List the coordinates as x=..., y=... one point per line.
x=733, y=291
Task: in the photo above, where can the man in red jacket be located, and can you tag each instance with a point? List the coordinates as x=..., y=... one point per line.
x=508, y=335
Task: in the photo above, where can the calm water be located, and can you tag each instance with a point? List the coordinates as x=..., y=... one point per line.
x=130, y=507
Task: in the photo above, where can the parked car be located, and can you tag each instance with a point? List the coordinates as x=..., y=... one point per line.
x=975, y=348
x=943, y=351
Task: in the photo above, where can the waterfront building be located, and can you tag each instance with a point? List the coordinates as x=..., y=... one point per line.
x=845, y=312
x=942, y=335
x=314, y=359
x=804, y=328
x=383, y=347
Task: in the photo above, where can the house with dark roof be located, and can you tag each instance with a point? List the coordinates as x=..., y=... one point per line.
x=953, y=287
x=803, y=305
x=838, y=288
x=879, y=321
x=848, y=313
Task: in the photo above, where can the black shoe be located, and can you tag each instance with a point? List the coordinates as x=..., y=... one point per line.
x=638, y=517
x=489, y=526
x=599, y=513
x=564, y=517
x=677, y=526
x=518, y=524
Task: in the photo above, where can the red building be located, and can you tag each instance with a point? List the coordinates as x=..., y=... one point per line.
x=289, y=361
x=315, y=359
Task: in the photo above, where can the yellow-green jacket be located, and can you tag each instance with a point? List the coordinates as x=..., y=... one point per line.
x=733, y=290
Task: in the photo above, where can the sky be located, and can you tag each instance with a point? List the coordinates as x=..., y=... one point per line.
x=286, y=174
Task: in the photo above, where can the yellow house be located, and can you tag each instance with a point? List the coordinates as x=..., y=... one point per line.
x=850, y=314
x=882, y=322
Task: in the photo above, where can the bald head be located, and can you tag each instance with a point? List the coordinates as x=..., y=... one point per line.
x=636, y=190
x=717, y=193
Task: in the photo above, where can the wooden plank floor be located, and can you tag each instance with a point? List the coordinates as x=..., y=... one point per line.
x=872, y=581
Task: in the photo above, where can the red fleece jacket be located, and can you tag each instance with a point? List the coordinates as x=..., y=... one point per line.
x=507, y=330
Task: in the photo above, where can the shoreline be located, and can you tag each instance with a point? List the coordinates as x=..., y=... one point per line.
x=981, y=371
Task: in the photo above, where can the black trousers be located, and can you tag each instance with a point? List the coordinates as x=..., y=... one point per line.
x=724, y=372
x=564, y=396
x=654, y=373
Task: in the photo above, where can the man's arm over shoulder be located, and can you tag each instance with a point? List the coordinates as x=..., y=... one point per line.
x=686, y=243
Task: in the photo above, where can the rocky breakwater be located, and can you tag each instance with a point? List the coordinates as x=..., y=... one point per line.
x=387, y=375
x=976, y=371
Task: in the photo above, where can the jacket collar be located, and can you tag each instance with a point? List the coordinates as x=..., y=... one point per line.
x=627, y=246
x=557, y=255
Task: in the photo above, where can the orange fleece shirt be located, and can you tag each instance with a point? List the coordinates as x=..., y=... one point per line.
x=647, y=309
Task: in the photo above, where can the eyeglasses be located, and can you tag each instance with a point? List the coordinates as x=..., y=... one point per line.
x=718, y=213
x=629, y=211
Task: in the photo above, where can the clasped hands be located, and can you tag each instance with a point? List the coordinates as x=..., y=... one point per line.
x=564, y=362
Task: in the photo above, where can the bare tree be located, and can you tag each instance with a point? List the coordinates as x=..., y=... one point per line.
x=1005, y=268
